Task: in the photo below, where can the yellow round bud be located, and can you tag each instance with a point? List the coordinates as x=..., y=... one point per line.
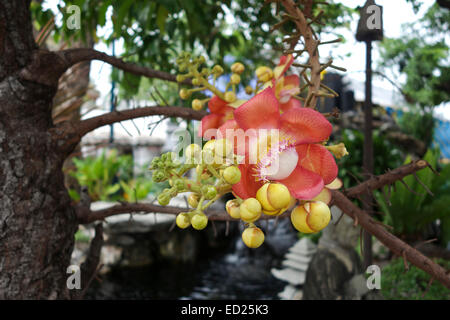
x=217, y=70
x=185, y=94
x=180, y=78
x=232, y=207
x=210, y=145
x=197, y=105
x=253, y=237
x=223, y=148
x=298, y=219
x=199, y=221
x=232, y=175
x=192, y=151
x=319, y=215
x=193, y=200
x=273, y=196
x=311, y=217
x=264, y=74
x=183, y=220
x=230, y=96
x=248, y=90
x=196, y=81
x=235, y=78
x=250, y=210
x=237, y=67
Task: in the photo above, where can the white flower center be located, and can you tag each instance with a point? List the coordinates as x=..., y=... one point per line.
x=281, y=165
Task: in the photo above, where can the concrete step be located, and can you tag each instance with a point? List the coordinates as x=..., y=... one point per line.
x=297, y=257
x=292, y=276
x=295, y=265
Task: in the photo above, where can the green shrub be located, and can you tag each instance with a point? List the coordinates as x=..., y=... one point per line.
x=109, y=177
x=396, y=284
x=386, y=156
x=409, y=213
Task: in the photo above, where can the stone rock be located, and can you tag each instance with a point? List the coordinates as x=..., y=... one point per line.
x=344, y=234
x=356, y=287
x=328, y=272
x=292, y=276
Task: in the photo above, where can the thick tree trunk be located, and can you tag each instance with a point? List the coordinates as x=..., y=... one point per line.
x=37, y=223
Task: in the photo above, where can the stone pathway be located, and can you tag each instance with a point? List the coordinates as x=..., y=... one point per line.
x=295, y=264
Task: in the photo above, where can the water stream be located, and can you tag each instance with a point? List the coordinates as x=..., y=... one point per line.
x=234, y=273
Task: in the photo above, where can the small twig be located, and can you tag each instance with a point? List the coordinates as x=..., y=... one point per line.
x=405, y=261
x=409, y=189
x=339, y=219
x=214, y=228
x=423, y=185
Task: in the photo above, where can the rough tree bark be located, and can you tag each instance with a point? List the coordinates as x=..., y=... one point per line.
x=37, y=223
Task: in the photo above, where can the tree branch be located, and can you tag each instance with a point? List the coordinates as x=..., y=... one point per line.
x=89, y=266
x=311, y=46
x=74, y=56
x=397, y=246
x=85, y=126
x=390, y=177
x=213, y=215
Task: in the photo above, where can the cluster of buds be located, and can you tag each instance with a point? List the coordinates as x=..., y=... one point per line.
x=271, y=199
x=215, y=170
x=215, y=176
x=201, y=76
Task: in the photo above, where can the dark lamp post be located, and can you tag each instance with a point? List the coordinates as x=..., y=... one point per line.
x=370, y=28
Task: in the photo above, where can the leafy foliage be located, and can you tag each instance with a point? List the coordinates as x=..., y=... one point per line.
x=409, y=212
x=420, y=125
x=386, y=156
x=396, y=284
x=422, y=58
x=109, y=177
x=155, y=32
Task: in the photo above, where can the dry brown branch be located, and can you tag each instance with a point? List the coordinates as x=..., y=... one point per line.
x=91, y=124
x=74, y=56
x=217, y=215
x=311, y=47
x=388, y=178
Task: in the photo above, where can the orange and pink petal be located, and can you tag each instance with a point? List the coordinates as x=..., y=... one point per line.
x=318, y=159
x=305, y=125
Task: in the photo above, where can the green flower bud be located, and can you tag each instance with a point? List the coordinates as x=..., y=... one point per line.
x=209, y=192
x=164, y=199
x=199, y=221
x=183, y=220
x=173, y=192
x=217, y=70
x=158, y=176
x=179, y=184
x=193, y=200
x=180, y=78
x=232, y=175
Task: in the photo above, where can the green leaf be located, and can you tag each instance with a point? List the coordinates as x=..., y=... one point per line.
x=161, y=18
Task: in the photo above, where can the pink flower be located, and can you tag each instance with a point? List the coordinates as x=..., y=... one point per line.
x=304, y=165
